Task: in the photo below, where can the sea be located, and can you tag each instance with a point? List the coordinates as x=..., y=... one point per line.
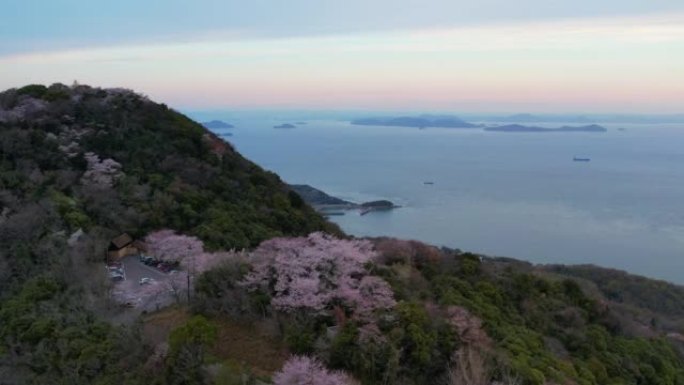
x=518, y=195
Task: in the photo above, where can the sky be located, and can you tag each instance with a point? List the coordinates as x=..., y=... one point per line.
x=588, y=56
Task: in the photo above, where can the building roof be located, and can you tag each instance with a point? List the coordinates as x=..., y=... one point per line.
x=140, y=245
x=122, y=241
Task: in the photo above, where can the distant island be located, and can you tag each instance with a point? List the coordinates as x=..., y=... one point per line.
x=530, y=118
x=285, y=126
x=522, y=128
x=448, y=121
x=216, y=124
x=330, y=205
x=527, y=118
x=422, y=121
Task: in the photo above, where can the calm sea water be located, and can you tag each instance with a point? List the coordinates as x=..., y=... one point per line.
x=506, y=194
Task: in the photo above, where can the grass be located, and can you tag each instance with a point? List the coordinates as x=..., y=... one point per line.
x=243, y=345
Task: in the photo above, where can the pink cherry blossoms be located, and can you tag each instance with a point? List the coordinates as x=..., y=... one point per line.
x=302, y=370
x=468, y=326
x=170, y=246
x=317, y=273
x=100, y=173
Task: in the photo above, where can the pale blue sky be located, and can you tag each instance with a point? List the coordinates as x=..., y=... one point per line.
x=484, y=55
x=53, y=24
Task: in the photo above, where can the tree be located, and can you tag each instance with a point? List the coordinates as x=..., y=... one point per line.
x=302, y=370
x=317, y=273
x=187, y=349
x=101, y=173
x=170, y=246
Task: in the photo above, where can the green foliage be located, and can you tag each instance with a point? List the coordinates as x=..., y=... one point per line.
x=344, y=351
x=301, y=336
x=658, y=296
x=33, y=90
x=68, y=344
x=188, y=344
x=197, y=332
x=523, y=312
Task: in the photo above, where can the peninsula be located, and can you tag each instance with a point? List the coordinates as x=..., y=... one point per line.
x=216, y=124
x=330, y=205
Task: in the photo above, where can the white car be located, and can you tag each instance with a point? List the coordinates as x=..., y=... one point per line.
x=146, y=280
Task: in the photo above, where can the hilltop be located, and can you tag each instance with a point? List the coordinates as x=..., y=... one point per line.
x=146, y=166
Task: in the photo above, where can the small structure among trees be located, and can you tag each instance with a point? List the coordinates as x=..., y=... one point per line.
x=123, y=246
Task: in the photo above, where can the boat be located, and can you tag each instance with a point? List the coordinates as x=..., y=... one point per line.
x=578, y=159
x=429, y=183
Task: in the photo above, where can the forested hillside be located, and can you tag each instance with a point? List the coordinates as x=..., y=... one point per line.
x=279, y=295
x=80, y=165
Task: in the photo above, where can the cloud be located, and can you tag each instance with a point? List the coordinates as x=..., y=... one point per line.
x=616, y=63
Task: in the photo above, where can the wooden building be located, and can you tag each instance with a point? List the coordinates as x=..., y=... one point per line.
x=123, y=246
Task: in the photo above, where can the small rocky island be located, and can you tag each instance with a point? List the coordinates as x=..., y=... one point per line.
x=329, y=205
x=217, y=124
x=285, y=126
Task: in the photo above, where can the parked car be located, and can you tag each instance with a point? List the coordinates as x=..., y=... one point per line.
x=146, y=280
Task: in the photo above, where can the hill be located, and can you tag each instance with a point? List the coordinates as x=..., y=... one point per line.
x=114, y=159
x=299, y=301
x=80, y=165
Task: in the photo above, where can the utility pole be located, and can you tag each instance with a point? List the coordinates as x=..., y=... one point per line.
x=188, y=289
x=193, y=271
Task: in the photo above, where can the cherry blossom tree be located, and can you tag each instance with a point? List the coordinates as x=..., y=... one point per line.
x=100, y=173
x=171, y=246
x=468, y=326
x=201, y=262
x=317, y=273
x=302, y=370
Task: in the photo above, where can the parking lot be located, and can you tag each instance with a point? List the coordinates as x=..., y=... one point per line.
x=136, y=270
x=144, y=287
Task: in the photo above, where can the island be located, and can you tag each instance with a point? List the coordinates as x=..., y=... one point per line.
x=529, y=118
x=422, y=121
x=522, y=128
x=378, y=205
x=329, y=205
x=285, y=126
x=216, y=124
x=450, y=121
